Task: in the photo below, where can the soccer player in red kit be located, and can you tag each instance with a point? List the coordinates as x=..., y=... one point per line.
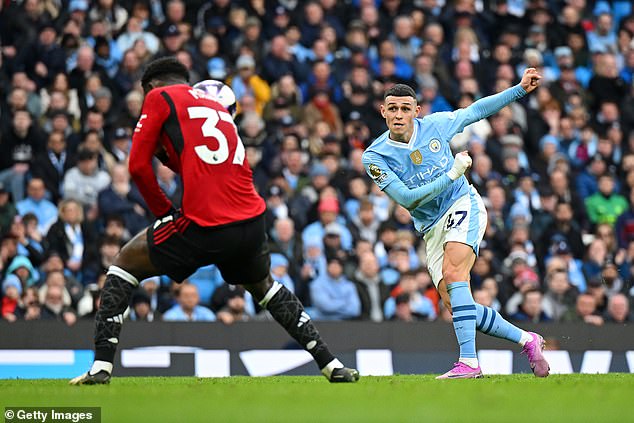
x=221, y=221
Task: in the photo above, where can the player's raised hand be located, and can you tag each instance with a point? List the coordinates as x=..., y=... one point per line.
x=461, y=163
x=530, y=79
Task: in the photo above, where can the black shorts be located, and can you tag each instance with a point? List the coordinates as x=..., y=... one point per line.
x=240, y=250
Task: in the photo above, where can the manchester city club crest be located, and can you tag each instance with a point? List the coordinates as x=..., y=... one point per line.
x=416, y=157
x=434, y=146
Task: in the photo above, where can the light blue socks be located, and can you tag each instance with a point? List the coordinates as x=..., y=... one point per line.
x=490, y=322
x=464, y=320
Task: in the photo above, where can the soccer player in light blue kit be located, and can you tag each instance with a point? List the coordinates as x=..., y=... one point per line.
x=412, y=162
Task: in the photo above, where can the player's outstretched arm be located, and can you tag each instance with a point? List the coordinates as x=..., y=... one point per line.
x=492, y=104
x=412, y=198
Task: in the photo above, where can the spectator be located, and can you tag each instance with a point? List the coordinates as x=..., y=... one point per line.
x=611, y=279
x=128, y=118
x=54, y=264
x=332, y=243
x=606, y=85
x=56, y=279
x=372, y=291
x=618, y=309
x=188, y=309
x=322, y=109
x=109, y=247
x=285, y=241
x=596, y=256
x=560, y=184
x=72, y=238
x=321, y=79
x=48, y=58
x=482, y=173
x=573, y=266
x=605, y=232
x=141, y=310
x=112, y=15
x=11, y=293
x=121, y=144
x=603, y=38
x=429, y=92
x=51, y=165
x=129, y=71
x=134, y=31
x=30, y=309
x=84, y=181
x=37, y=204
x=124, y=199
x=279, y=271
x=563, y=227
x=19, y=143
x=406, y=43
x=233, y=304
x=531, y=308
x=364, y=224
x=524, y=280
x=280, y=61
x=160, y=300
x=29, y=239
x=560, y=296
x=407, y=302
x=584, y=311
x=333, y=296
x=328, y=209
x=114, y=227
x=247, y=82
x=605, y=206
x=588, y=180
x=53, y=307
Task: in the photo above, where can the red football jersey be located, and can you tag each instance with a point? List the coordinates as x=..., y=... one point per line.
x=204, y=147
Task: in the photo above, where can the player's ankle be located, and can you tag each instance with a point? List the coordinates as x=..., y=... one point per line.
x=471, y=362
x=334, y=364
x=526, y=337
x=101, y=366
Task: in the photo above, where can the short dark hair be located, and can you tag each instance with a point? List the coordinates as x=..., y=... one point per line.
x=164, y=68
x=400, y=90
x=606, y=174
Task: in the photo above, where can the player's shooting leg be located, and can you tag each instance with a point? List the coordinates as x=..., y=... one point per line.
x=457, y=262
x=488, y=321
x=289, y=312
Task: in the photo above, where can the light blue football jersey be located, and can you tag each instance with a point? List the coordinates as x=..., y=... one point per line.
x=426, y=157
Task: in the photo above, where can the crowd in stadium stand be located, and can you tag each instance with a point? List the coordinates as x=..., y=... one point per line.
x=556, y=170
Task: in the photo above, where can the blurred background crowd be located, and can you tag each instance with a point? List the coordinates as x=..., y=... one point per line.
x=556, y=169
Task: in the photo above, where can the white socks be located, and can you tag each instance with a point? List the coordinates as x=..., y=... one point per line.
x=334, y=364
x=471, y=362
x=99, y=365
x=526, y=337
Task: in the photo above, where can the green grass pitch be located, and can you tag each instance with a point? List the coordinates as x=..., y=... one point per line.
x=516, y=398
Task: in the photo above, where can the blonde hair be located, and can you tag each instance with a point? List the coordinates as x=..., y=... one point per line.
x=61, y=208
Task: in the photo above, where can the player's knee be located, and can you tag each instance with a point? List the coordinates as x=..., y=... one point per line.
x=259, y=290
